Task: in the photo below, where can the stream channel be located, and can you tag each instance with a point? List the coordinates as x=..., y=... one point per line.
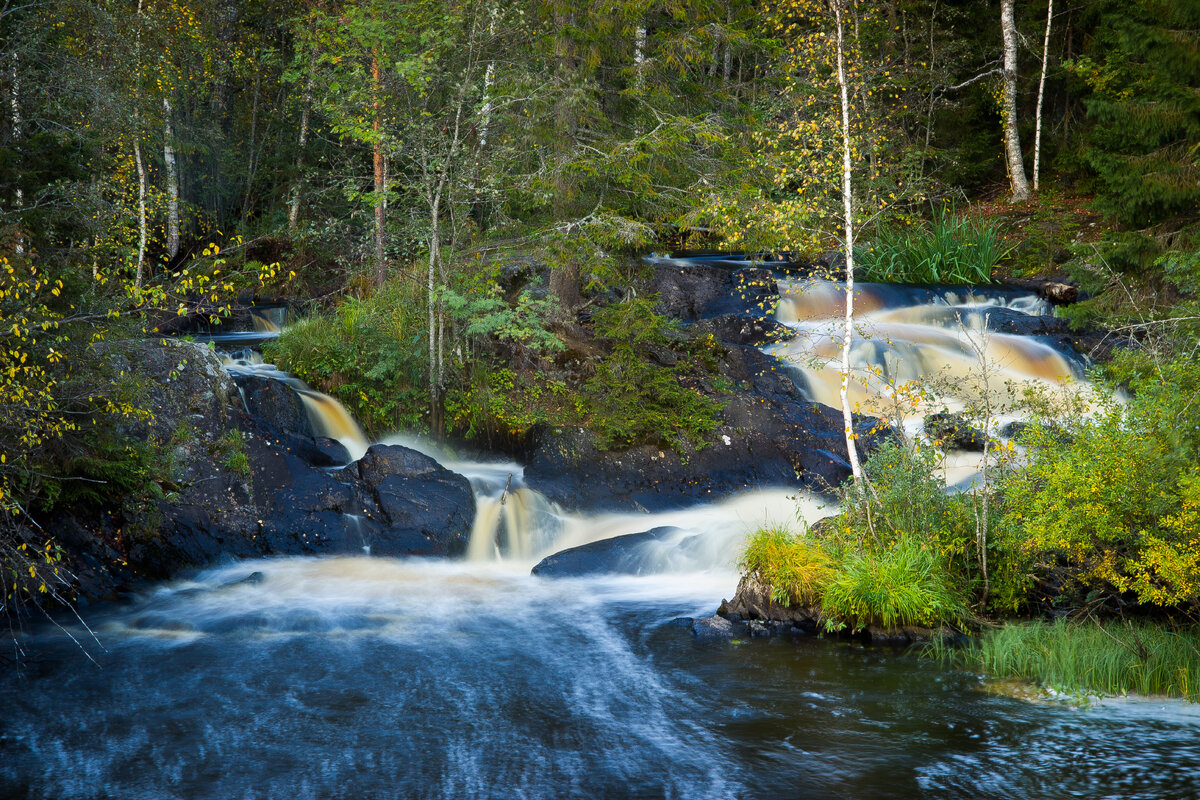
x=363, y=677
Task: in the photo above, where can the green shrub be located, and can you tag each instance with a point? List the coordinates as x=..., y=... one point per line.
x=952, y=249
x=904, y=584
x=1111, y=505
x=795, y=568
x=1113, y=658
x=371, y=354
x=631, y=399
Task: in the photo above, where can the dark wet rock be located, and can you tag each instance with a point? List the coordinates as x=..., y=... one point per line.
x=690, y=291
x=752, y=601
x=620, y=554
x=274, y=405
x=1007, y=320
x=770, y=436
x=293, y=496
x=756, y=288
x=746, y=330
x=1057, y=292
x=426, y=508
x=382, y=460
x=954, y=432
x=252, y=579
x=713, y=628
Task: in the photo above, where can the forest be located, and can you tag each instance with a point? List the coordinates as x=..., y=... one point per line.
x=455, y=198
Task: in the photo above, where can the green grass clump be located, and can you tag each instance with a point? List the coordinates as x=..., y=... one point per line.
x=1112, y=658
x=951, y=249
x=796, y=569
x=370, y=353
x=902, y=585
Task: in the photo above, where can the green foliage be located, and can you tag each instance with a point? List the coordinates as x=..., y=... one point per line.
x=489, y=315
x=910, y=499
x=232, y=447
x=633, y=400
x=497, y=405
x=369, y=353
x=795, y=568
x=906, y=583
x=112, y=469
x=1110, y=505
x=1139, y=69
x=1112, y=658
x=950, y=249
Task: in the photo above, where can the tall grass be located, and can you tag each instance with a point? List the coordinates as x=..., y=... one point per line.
x=370, y=353
x=796, y=569
x=902, y=585
x=1110, y=658
x=950, y=249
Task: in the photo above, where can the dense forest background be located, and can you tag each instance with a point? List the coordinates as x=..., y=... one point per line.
x=393, y=164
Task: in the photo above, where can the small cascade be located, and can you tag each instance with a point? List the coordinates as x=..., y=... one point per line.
x=330, y=418
x=908, y=335
x=327, y=416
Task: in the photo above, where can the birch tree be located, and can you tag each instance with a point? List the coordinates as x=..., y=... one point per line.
x=1012, y=140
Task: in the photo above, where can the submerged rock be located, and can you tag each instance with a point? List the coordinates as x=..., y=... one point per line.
x=620, y=554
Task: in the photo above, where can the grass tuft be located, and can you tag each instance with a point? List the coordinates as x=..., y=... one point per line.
x=951, y=249
x=1110, y=658
x=902, y=585
x=797, y=569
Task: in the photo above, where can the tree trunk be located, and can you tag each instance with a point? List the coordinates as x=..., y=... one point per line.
x=435, y=389
x=294, y=203
x=139, y=276
x=377, y=154
x=1012, y=141
x=15, y=89
x=848, y=210
x=1037, y=135
x=639, y=56
x=172, y=181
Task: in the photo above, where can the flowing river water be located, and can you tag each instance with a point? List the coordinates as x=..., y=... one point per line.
x=362, y=677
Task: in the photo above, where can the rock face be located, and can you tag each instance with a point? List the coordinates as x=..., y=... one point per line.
x=769, y=436
x=251, y=485
x=619, y=555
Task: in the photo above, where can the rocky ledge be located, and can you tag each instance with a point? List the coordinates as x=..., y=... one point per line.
x=246, y=478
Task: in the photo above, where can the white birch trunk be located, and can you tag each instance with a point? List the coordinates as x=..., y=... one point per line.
x=139, y=276
x=848, y=209
x=15, y=89
x=1012, y=140
x=1037, y=135
x=639, y=57
x=172, y=181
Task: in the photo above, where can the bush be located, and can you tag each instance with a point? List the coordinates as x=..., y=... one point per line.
x=1113, y=658
x=1110, y=506
x=371, y=354
x=952, y=249
x=904, y=584
x=632, y=400
x=796, y=568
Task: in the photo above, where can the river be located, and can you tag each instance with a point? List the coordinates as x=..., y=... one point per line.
x=361, y=677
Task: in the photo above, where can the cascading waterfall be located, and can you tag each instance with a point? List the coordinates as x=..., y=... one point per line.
x=294, y=678
x=327, y=416
x=916, y=351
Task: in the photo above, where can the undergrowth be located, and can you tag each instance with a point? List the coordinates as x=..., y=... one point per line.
x=949, y=249
x=1112, y=658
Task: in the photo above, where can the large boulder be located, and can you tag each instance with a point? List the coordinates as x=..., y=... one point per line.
x=425, y=508
x=620, y=554
x=274, y=404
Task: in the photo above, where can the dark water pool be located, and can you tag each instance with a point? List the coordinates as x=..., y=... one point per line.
x=375, y=678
